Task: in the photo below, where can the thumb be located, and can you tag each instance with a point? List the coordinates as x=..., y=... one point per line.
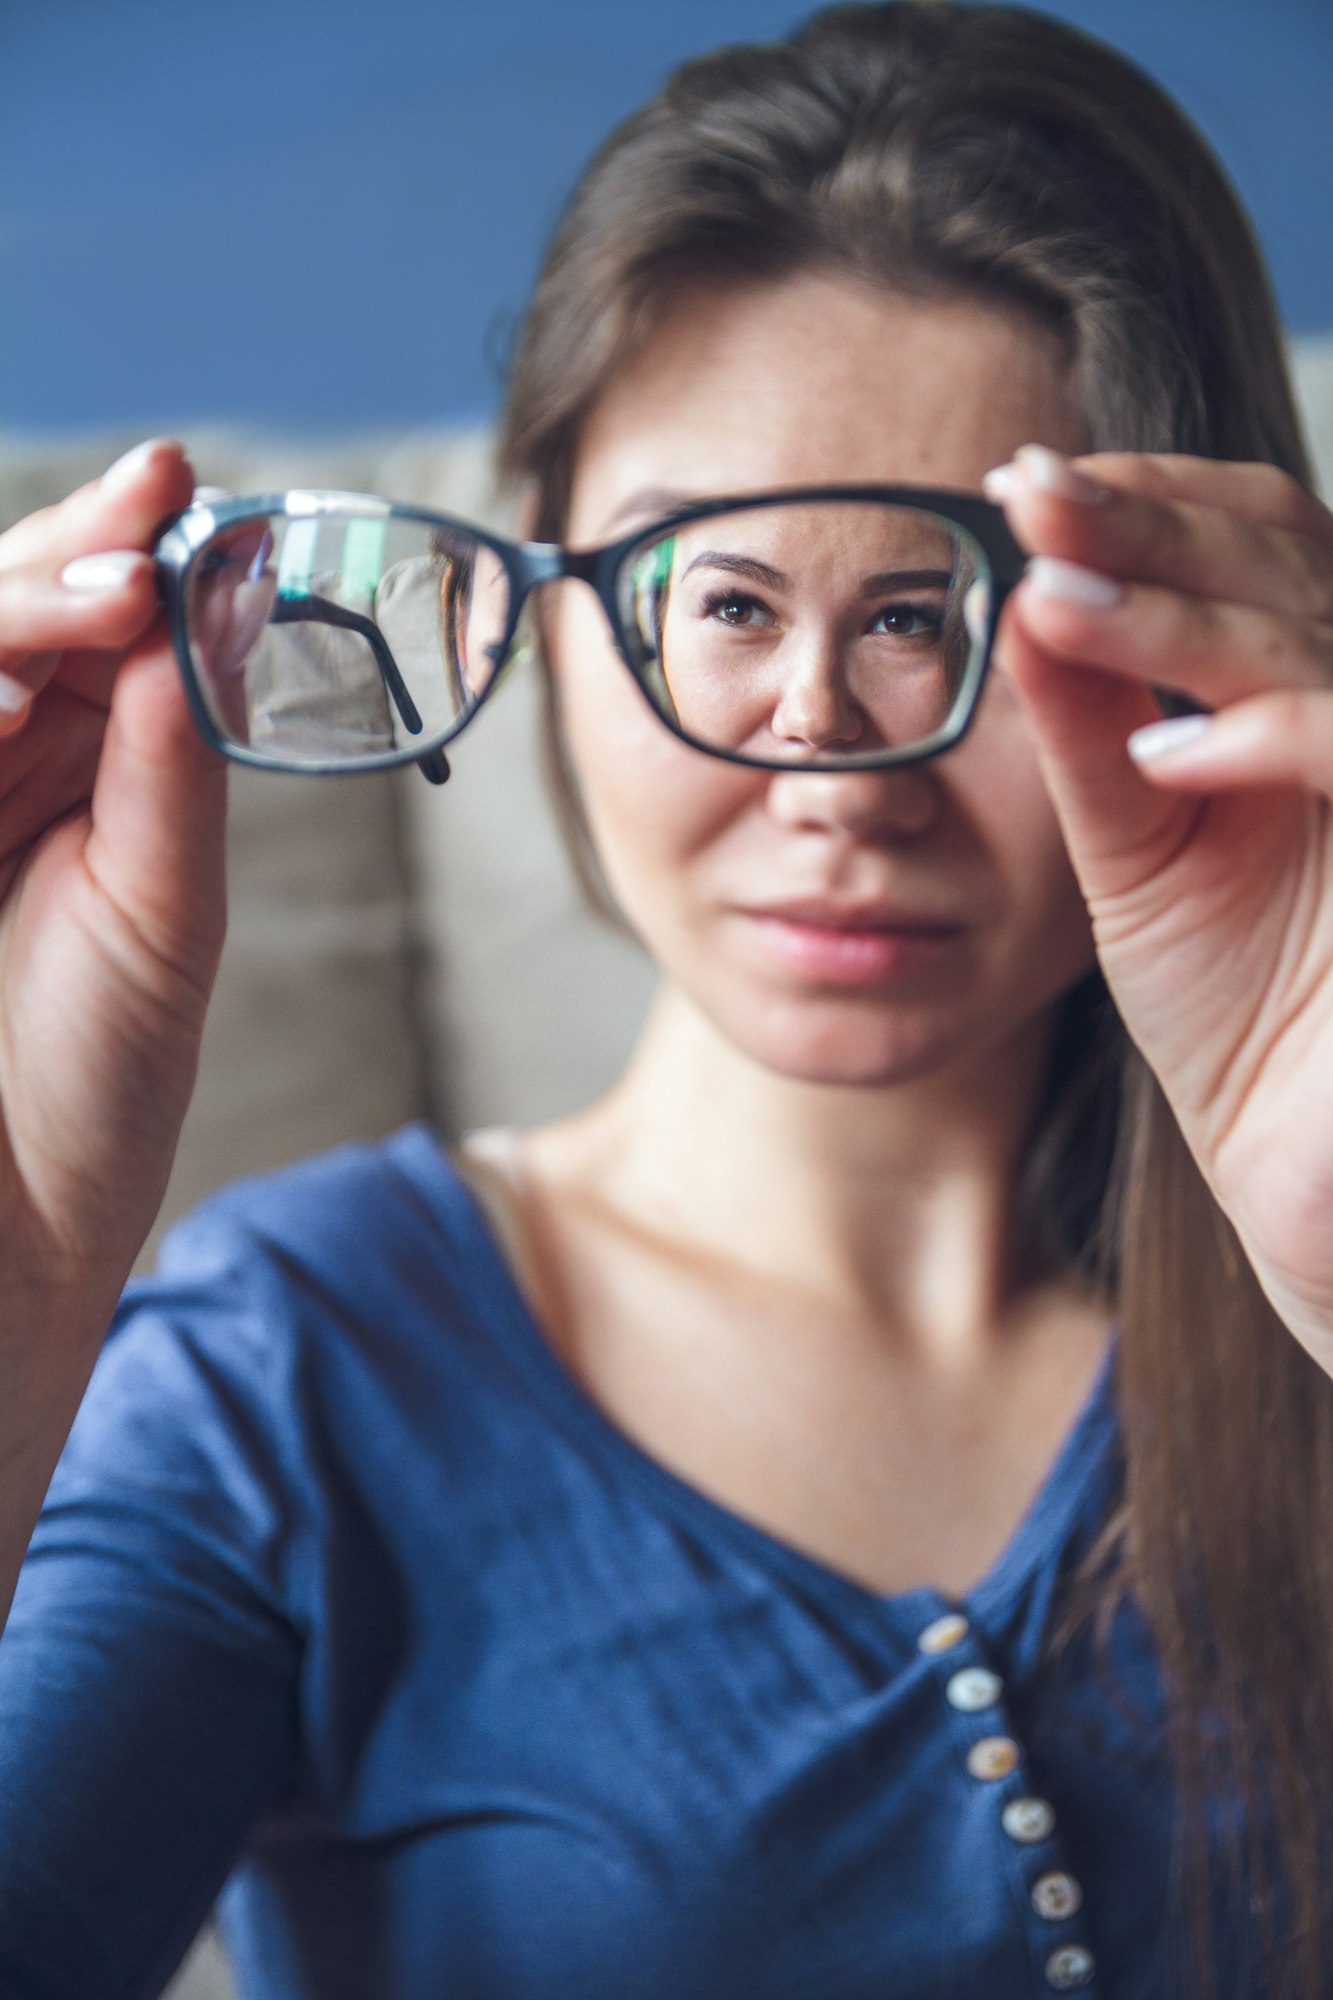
x=1114, y=821
x=157, y=844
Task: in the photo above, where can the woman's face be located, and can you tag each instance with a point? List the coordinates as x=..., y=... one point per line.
x=808, y=381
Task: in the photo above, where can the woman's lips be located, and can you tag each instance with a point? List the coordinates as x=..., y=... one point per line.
x=848, y=956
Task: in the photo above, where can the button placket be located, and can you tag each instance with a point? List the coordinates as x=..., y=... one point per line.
x=1054, y=1895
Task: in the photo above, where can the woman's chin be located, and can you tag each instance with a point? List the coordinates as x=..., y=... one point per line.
x=838, y=1046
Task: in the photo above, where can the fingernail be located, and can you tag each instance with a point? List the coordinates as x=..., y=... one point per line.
x=1162, y=739
x=124, y=470
x=1070, y=583
x=204, y=496
x=999, y=482
x=109, y=571
x=1051, y=472
x=13, y=695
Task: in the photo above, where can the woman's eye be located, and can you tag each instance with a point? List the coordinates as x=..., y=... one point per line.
x=732, y=607
x=909, y=621
x=248, y=557
x=212, y=562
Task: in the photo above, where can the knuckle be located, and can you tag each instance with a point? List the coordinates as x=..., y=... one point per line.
x=1201, y=627
x=1316, y=648
x=1288, y=650
x=22, y=537
x=1157, y=540
x=1130, y=472
x=18, y=591
x=1313, y=569
x=1293, y=505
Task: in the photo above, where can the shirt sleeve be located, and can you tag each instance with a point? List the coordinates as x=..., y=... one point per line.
x=149, y=1671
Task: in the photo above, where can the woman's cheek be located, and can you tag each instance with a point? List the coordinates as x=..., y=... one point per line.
x=1046, y=937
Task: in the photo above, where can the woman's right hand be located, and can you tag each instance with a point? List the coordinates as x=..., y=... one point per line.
x=112, y=910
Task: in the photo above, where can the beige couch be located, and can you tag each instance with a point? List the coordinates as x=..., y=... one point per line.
x=397, y=950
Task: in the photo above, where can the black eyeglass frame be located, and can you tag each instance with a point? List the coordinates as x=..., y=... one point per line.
x=528, y=565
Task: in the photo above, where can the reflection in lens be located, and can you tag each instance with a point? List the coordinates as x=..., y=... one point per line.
x=340, y=638
x=818, y=629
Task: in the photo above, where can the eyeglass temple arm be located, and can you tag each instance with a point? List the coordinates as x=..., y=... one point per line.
x=289, y=609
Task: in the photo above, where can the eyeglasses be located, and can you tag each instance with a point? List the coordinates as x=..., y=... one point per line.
x=825, y=628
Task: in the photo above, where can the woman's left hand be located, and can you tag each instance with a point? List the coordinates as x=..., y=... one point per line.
x=1208, y=872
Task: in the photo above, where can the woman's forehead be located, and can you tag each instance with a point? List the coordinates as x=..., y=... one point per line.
x=818, y=379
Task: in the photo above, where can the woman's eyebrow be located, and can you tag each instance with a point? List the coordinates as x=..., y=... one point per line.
x=746, y=566
x=773, y=579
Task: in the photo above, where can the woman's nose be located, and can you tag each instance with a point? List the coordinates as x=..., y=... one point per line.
x=817, y=711
x=815, y=708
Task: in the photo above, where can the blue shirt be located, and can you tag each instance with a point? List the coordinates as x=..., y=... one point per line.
x=348, y=1602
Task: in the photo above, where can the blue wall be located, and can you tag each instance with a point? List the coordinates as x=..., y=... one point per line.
x=321, y=213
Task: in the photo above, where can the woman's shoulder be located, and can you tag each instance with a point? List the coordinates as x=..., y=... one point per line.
x=296, y=1326
x=347, y=1206
x=323, y=1280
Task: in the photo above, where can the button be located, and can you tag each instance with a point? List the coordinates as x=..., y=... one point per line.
x=993, y=1757
x=1056, y=1895
x=1027, y=1820
x=974, y=1687
x=945, y=1632
x=1072, y=1965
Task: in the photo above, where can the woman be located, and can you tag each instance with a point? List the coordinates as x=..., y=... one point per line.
x=676, y=1603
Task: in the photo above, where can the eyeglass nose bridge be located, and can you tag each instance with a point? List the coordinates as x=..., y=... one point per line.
x=533, y=564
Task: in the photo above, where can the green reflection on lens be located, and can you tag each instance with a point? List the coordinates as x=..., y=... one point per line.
x=363, y=557
x=297, y=560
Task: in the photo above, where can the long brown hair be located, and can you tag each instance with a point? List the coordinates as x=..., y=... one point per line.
x=990, y=151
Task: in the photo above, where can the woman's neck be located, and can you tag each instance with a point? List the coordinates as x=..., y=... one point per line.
x=889, y=1205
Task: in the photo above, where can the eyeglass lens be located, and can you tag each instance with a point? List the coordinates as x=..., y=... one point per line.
x=334, y=639
x=816, y=629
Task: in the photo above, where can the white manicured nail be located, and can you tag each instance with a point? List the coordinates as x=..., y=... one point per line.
x=1052, y=473
x=13, y=695
x=999, y=482
x=109, y=571
x=1070, y=583
x=124, y=470
x=1161, y=739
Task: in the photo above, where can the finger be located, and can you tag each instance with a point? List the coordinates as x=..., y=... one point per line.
x=1216, y=652
x=16, y=695
x=1115, y=824
x=123, y=509
x=159, y=810
x=1254, y=490
x=1139, y=532
x=1272, y=739
x=101, y=602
